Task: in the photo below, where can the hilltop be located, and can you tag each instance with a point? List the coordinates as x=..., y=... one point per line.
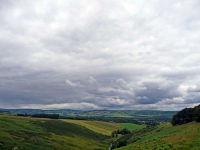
x=187, y=115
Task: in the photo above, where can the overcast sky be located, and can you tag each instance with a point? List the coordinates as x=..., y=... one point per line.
x=100, y=54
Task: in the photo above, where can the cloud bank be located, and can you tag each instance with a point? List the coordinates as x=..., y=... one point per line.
x=99, y=54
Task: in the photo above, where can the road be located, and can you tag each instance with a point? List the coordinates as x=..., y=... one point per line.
x=110, y=147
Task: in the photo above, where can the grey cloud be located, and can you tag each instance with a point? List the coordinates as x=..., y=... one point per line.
x=154, y=92
x=99, y=54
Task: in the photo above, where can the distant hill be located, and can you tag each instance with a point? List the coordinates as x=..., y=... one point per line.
x=96, y=113
x=149, y=117
x=187, y=115
x=62, y=112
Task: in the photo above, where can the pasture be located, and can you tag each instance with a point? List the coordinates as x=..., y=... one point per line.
x=132, y=127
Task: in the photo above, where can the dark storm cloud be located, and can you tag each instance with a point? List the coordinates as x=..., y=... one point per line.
x=99, y=54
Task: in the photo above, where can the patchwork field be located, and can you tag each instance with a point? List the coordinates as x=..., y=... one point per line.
x=32, y=133
x=166, y=137
x=105, y=128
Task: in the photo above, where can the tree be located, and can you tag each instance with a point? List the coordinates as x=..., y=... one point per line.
x=187, y=115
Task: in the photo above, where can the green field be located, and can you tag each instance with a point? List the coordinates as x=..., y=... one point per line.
x=166, y=137
x=105, y=128
x=32, y=133
x=132, y=127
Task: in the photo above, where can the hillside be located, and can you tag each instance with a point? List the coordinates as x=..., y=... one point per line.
x=33, y=133
x=184, y=136
x=164, y=137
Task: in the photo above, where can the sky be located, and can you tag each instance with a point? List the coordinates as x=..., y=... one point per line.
x=100, y=54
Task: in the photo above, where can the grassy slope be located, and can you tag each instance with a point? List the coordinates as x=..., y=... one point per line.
x=105, y=128
x=32, y=133
x=132, y=127
x=166, y=137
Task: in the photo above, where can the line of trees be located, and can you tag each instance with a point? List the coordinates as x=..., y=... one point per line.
x=51, y=116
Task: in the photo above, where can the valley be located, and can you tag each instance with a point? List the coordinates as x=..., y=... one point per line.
x=96, y=130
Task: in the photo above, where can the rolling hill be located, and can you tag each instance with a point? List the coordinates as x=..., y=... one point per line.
x=33, y=133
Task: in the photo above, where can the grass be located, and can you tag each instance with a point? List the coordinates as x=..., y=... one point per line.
x=105, y=128
x=166, y=137
x=32, y=133
x=132, y=126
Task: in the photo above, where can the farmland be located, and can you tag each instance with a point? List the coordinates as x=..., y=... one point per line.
x=105, y=128
x=132, y=127
x=119, y=116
